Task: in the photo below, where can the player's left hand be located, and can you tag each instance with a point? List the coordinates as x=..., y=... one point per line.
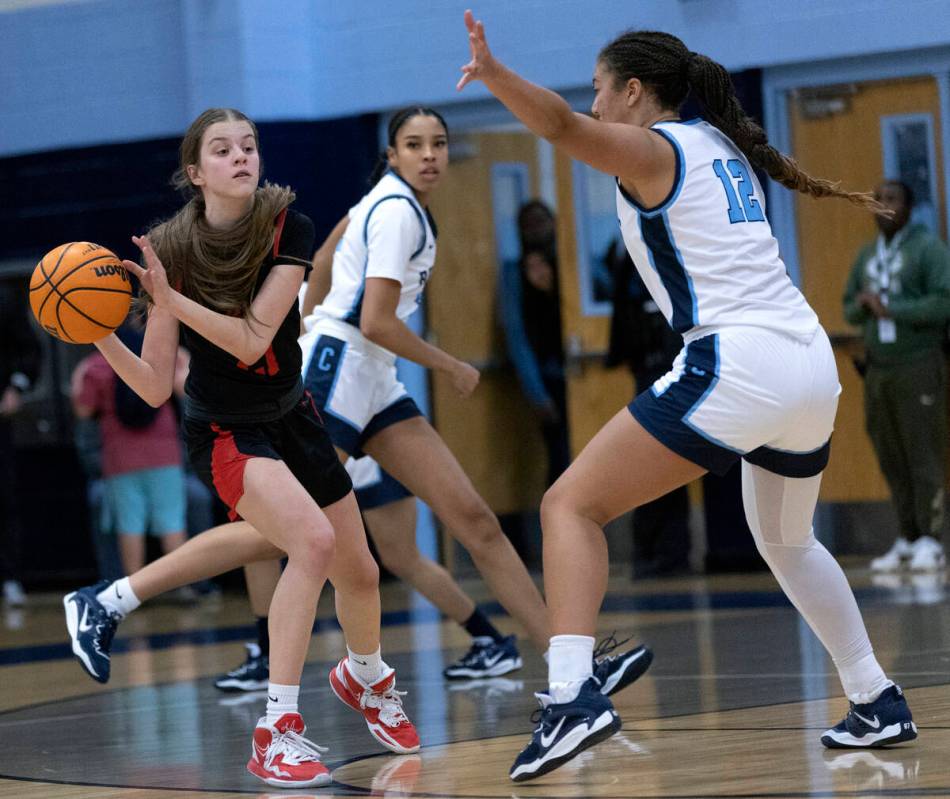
x=153, y=277
x=483, y=62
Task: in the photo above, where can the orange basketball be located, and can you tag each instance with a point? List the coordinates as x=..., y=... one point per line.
x=80, y=292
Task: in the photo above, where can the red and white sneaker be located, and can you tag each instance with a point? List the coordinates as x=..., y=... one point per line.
x=283, y=757
x=380, y=705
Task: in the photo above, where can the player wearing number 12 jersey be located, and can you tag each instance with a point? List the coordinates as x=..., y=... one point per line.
x=756, y=381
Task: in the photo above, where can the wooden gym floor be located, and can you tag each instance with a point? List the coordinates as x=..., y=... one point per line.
x=733, y=706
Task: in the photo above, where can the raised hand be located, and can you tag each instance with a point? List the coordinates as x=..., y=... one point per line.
x=482, y=60
x=153, y=277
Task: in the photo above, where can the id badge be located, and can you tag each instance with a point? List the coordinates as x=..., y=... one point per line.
x=886, y=331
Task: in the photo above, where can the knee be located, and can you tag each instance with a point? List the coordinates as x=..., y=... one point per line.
x=475, y=526
x=560, y=502
x=314, y=548
x=780, y=557
x=360, y=576
x=398, y=559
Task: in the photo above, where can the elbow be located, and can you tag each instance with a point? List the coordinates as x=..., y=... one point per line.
x=158, y=398
x=252, y=348
x=553, y=132
x=558, y=125
x=251, y=355
x=371, y=329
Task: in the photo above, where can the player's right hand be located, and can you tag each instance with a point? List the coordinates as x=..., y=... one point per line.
x=153, y=277
x=465, y=378
x=482, y=60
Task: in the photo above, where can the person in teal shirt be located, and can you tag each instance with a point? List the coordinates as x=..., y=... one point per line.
x=899, y=293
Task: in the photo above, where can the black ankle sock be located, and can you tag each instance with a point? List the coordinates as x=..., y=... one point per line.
x=478, y=626
x=263, y=637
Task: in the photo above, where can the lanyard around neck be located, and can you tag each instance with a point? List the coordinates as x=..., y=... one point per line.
x=887, y=258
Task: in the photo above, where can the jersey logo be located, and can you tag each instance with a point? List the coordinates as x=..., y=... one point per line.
x=423, y=279
x=269, y=367
x=325, y=361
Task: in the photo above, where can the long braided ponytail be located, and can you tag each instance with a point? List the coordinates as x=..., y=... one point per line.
x=664, y=64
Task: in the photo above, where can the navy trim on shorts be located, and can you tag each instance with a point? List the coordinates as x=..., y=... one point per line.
x=402, y=408
x=320, y=378
x=666, y=416
x=384, y=491
x=791, y=464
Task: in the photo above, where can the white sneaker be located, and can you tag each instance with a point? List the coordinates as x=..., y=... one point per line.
x=895, y=558
x=13, y=593
x=929, y=587
x=928, y=555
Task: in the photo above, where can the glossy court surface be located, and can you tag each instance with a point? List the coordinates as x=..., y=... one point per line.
x=733, y=705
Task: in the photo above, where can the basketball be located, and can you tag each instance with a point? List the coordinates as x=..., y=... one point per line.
x=80, y=292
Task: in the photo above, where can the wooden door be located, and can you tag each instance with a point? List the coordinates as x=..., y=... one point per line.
x=594, y=393
x=494, y=433
x=847, y=146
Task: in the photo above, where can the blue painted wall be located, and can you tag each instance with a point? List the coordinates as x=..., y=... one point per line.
x=84, y=73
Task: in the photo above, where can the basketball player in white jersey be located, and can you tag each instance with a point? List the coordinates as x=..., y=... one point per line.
x=383, y=254
x=756, y=379
x=389, y=511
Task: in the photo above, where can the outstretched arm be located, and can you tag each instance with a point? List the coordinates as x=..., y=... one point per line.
x=630, y=152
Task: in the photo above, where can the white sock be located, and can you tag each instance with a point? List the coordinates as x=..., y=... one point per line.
x=863, y=681
x=119, y=597
x=281, y=699
x=367, y=668
x=570, y=666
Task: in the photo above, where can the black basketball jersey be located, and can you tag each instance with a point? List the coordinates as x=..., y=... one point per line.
x=220, y=387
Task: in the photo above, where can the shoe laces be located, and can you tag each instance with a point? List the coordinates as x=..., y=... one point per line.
x=475, y=653
x=294, y=747
x=246, y=667
x=608, y=645
x=539, y=713
x=106, y=624
x=389, y=704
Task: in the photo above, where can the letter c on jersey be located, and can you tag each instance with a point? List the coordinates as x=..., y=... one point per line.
x=325, y=361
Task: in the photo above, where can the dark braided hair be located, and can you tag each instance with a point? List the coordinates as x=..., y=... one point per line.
x=396, y=121
x=670, y=70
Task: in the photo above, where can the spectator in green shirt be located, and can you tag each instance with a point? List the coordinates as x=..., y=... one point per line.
x=899, y=293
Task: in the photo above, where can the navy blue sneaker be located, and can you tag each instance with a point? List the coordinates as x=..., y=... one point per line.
x=91, y=628
x=565, y=731
x=252, y=675
x=616, y=672
x=885, y=721
x=486, y=658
